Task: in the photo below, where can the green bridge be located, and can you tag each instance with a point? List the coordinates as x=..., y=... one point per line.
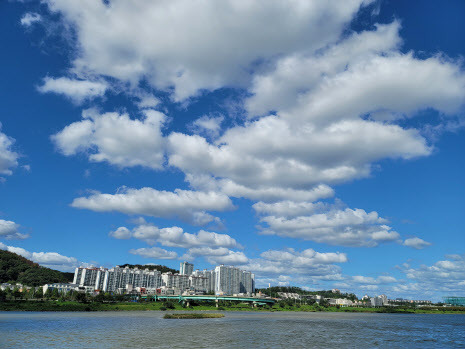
x=186, y=299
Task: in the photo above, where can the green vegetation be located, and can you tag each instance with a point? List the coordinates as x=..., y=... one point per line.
x=84, y=303
x=17, y=269
x=193, y=316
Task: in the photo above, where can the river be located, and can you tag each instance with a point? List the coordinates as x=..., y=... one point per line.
x=148, y=329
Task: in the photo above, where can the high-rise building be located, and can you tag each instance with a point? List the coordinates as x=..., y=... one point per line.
x=115, y=279
x=231, y=280
x=198, y=283
x=186, y=268
x=226, y=280
x=177, y=281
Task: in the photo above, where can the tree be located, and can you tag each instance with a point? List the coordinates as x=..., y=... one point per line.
x=2, y=296
x=39, y=293
x=17, y=269
x=81, y=297
x=99, y=298
x=16, y=293
x=109, y=297
x=55, y=294
x=48, y=293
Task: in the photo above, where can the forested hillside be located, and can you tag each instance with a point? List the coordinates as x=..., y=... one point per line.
x=17, y=269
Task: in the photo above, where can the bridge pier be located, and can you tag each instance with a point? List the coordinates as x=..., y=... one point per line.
x=216, y=302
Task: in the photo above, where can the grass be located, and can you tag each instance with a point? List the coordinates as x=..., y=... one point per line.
x=193, y=316
x=23, y=305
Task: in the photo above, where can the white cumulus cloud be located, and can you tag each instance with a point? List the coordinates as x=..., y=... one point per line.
x=115, y=138
x=201, y=45
x=52, y=260
x=8, y=157
x=10, y=230
x=308, y=263
x=76, y=90
x=175, y=237
x=188, y=205
x=29, y=18
x=416, y=243
x=154, y=252
x=330, y=224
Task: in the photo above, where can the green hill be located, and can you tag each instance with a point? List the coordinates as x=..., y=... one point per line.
x=17, y=269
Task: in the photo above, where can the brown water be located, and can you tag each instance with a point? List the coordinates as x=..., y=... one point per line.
x=235, y=330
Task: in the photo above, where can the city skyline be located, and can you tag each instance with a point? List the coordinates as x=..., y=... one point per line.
x=313, y=144
x=222, y=280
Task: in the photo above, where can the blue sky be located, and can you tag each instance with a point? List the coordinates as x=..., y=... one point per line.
x=318, y=145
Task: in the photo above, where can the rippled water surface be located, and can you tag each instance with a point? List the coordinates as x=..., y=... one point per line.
x=235, y=330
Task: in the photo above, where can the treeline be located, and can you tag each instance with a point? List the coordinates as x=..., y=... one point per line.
x=17, y=269
x=273, y=292
x=55, y=295
x=161, y=268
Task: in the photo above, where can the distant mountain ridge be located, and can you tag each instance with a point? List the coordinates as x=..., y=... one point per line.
x=17, y=269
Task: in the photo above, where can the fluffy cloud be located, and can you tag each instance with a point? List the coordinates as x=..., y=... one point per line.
x=449, y=271
x=365, y=74
x=298, y=74
x=270, y=153
x=193, y=46
x=336, y=114
x=47, y=259
x=336, y=99
x=184, y=204
x=267, y=194
x=308, y=263
x=115, y=138
x=208, y=125
x=76, y=90
x=175, y=237
x=8, y=158
x=216, y=255
x=443, y=278
x=154, y=252
x=334, y=225
x=288, y=208
x=122, y=233
x=10, y=230
x=416, y=243
x=374, y=281
x=230, y=258
x=30, y=18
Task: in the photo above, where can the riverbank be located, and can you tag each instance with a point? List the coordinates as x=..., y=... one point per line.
x=49, y=305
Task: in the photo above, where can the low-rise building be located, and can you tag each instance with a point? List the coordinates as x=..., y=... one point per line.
x=61, y=287
x=340, y=302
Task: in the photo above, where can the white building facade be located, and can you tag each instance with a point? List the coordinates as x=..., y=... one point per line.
x=186, y=268
x=225, y=280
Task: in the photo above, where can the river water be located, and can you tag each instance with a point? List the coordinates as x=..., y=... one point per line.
x=236, y=330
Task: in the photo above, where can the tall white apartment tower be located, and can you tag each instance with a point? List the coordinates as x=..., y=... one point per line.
x=186, y=268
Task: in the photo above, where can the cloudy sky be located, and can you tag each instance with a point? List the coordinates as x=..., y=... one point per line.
x=315, y=143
